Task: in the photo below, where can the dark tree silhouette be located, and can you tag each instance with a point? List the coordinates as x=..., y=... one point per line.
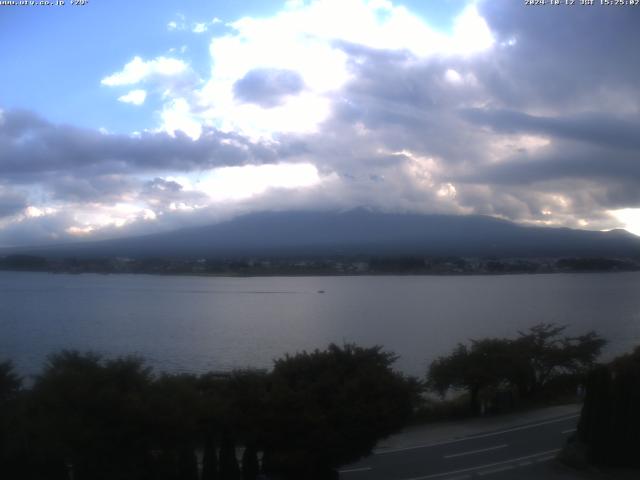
x=10, y=382
x=93, y=416
x=485, y=363
x=174, y=408
x=210, y=459
x=528, y=363
x=229, y=468
x=90, y=418
x=543, y=352
x=10, y=428
x=610, y=420
x=250, y=465
x=328, y=408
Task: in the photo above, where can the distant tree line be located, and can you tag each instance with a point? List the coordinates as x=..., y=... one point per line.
x=89, y=418
x=317, y=265
x=541, y=361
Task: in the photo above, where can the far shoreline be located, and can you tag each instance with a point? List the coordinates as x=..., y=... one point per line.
x=329, y=274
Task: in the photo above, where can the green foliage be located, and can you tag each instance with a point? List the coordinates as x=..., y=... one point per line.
x=528, y=363
x=543, y=354
x=330, y=407
x=101, y=419
x=10, y=382
x=10, y=385
x=485, y=363
x=229, y=468
x=93, y=414
x=250, y=465
x=610, y=420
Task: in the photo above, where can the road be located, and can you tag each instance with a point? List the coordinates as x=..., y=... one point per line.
x=515, y=452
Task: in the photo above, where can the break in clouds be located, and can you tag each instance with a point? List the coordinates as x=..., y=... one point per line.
x=529, y=114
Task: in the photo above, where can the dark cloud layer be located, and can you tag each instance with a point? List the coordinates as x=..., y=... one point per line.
x=600, y=129
x=31, y=146
x=267, y=87
x=11, y=202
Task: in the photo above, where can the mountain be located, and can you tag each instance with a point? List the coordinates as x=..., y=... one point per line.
x=359, y=232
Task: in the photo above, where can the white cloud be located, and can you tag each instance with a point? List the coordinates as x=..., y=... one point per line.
x=199, y=28
x=34, y=212
x=138, y=70
x=89, y=219
x=237, y=183
x=177, y=25
x=471, y=33
x=177, y=116
x=305, y=38
x=630, y=218
x=134, y=97
x=453, y=77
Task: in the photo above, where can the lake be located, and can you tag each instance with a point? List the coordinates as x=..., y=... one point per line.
x=219, y=323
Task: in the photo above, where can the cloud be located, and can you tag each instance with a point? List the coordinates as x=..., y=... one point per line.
x=599, y=128
x=267, y=87
x=199, y=27
x=134, y=97
x=11, y=202
x=138, y=70
x=179, y=24
x=260, y=67
x=33, y=148
x=506, y=115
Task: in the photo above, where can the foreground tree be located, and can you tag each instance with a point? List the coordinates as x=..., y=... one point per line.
x=543, y=353
x=328, y=408
x=10, y=439
x=529, y=363
x=609, y=425
x=173, y=410
x=10, y=382
x=483, y=364
x=92, y=415
x=91, y=418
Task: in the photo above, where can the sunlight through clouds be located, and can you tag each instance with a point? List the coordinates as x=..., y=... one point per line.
x=630, y=219
x=236, y=183
x=309, y=39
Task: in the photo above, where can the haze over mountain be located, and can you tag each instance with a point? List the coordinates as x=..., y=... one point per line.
x=359, y=232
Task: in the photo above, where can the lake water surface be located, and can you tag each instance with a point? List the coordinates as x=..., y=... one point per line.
x=215, y=323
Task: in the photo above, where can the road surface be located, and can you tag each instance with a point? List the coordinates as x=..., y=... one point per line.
x=517, y=451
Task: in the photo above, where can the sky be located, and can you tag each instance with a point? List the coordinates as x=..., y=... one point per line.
x=122, y=118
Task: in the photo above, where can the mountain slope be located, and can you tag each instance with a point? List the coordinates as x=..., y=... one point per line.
x=361, y=232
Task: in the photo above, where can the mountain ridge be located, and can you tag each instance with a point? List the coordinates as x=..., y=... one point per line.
x=356, y=232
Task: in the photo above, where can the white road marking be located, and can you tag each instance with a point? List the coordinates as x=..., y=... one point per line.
x=496, y=470
x=488, y=465
x=571, y=430
x=545, y=459
x=353, y=470
x=473, y=437
x=471, y=452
